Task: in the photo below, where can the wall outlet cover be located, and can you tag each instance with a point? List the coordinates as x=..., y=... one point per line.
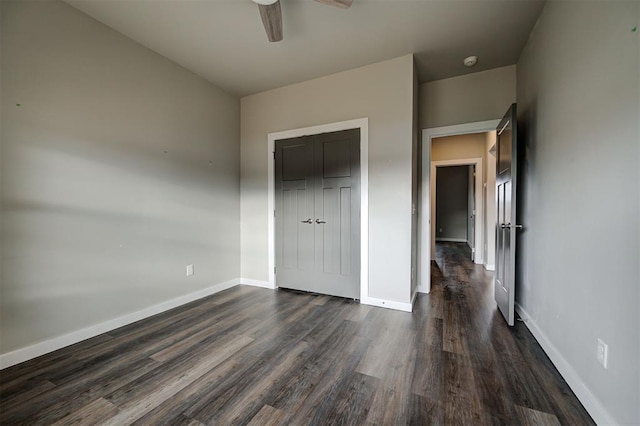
x=602, y=353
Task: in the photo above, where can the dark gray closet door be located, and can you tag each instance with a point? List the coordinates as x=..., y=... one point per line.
x=321, y=255
x=294, y=210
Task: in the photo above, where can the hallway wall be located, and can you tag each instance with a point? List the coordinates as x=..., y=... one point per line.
x=480, y=96
x=456, y=148
x=451, y=203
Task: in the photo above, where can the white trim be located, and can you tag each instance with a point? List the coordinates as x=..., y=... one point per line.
x=479, y=217
x=363, y=125
x=489, y=267
x=256, y=283
x=390, y=304
x=461, y=129
x=453, y=240
x=425, y=197
x=41, y=348
x=590, y=402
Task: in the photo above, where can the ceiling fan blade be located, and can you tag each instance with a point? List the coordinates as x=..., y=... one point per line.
x=272, y=20
x=342, y=4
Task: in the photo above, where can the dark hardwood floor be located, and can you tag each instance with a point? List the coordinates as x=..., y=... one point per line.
x=262, y=357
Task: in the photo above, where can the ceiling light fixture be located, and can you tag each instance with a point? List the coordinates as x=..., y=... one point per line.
x=470, y=61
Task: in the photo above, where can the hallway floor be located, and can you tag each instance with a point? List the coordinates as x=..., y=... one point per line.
x=256, y=356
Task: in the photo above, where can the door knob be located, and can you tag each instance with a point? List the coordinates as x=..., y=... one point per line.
x=509, y=225
x=307, y=221
x=320, y=221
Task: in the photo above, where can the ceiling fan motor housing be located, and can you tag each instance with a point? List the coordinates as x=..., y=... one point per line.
x=271, y=15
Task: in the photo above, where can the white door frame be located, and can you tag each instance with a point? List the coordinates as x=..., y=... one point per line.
x=479, y=217
x=424, y=286
x=363, y=125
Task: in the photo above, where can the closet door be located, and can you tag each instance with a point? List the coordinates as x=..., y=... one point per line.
x=337, y=213
x=318, y=213
x=294, y=206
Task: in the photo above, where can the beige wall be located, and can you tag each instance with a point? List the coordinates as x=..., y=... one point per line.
x=457, y=147
x=469, y=98
x=118, y=169
x=383, y=92
x=578, y=275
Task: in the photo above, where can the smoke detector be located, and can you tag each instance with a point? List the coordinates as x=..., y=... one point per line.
x=470, y=61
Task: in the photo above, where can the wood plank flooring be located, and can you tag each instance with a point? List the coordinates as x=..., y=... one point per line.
x=262, y=357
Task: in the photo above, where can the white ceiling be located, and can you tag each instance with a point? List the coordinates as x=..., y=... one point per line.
x=224, y=41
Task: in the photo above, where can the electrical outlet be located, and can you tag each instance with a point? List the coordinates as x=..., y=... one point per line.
x=602, y=353
x=189, y=270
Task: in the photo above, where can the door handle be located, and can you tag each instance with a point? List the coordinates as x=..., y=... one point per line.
x=307, y=221
x=509, y=225
x=318, y=221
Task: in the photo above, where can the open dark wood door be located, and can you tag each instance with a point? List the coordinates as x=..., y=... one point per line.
x=506, y=227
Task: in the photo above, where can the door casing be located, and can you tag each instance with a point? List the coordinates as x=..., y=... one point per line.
x=424, y=242
x=363, y=125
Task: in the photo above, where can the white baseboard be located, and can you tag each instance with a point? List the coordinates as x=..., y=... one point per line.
x=593, y=406
x=400, y=306
x=24, y=354
x=489, y=267
x=423, y=289
x=453, y=240
x=390, y=304
x=257, y=283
